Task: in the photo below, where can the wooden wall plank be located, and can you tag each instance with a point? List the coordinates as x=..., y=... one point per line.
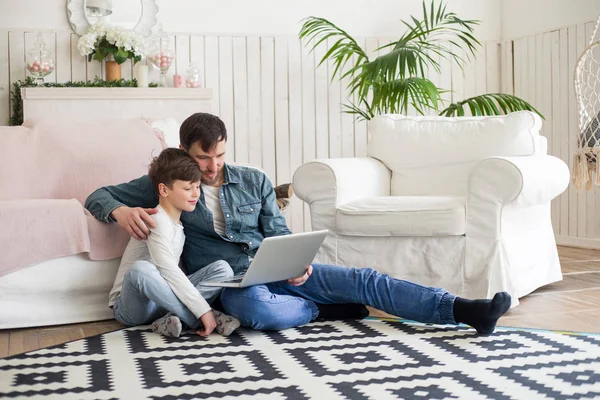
x=197, y=57
x=5, y=86
x=445, y=80
x=480, y=73
x=531, y=68
x=571, y=126
x=182, y=55
x=254, y=101
x=16, y=67
x=321, y=104
x=211, y=69
x=268, y=105
x=296, y=208
x=240, y=99
x=334, y=107
x=517, y=60
x=63, y=57
x=360, y=125
x=563, y=130
x=347, y=120
x=556, y=119
x=282, y=131
x=507, y=60
x=492, y=67
x=309, y=130
x=582, y=197
x=226, y=91
x=78, y=62
x=458, y=80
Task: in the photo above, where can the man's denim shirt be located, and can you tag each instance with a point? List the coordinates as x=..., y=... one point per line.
x=249, y=207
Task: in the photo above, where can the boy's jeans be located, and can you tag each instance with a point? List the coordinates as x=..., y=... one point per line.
x=279, y=305
x=146, y=296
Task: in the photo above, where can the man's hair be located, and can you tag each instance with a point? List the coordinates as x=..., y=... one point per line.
x=173, y=165
x=203, y=128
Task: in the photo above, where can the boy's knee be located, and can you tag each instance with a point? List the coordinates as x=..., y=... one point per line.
x=140, y=271
x=223, y=269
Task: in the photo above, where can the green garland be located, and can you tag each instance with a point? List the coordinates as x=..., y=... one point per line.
x=17, y=101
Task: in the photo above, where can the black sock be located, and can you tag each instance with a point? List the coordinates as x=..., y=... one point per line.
x=332, y=312
x=481, y=314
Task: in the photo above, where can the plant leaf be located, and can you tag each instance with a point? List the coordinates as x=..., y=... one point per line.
x=485, y=104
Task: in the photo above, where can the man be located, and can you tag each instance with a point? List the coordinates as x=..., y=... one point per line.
x=237, y=210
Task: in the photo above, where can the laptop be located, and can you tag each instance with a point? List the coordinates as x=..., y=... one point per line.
x=278, y=258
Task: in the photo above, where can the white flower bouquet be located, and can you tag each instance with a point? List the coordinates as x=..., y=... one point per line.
x=103, y=40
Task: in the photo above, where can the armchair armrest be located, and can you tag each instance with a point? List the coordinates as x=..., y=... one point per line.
x=509, y=237
x=524, y=181
x=499, y=186
x=326, y=184
x=341, y=180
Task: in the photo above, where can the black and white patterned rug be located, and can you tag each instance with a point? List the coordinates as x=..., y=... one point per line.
x=368, y=359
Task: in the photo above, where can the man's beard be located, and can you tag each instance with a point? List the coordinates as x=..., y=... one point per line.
x=210, y=182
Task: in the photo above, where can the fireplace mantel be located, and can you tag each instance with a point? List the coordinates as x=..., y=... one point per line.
x=92, y=103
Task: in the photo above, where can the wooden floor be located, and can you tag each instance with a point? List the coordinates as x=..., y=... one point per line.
x=570, y=305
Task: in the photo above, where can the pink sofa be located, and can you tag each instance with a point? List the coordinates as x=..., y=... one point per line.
x=57, y=262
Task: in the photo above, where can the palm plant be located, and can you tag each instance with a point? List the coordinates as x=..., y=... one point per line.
x=397, y=79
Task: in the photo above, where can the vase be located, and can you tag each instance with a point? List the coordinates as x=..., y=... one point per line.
x=112, y=71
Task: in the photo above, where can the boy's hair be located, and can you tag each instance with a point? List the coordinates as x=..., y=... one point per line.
x=204, y=128
x=173, y=165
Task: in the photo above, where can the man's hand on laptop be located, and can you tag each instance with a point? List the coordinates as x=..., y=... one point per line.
x=299, y=281
x=136, y=221
x=209, y=322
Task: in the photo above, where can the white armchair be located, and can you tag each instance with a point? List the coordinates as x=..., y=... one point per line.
x=460, y=203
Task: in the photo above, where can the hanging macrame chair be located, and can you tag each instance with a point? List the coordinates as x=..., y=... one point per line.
x=586, y=160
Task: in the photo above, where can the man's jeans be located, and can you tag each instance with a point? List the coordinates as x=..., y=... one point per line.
x=280, y=306
x=146, y=296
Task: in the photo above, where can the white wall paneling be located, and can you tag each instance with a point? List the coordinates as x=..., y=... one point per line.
x=544, y=65
x=280, y=110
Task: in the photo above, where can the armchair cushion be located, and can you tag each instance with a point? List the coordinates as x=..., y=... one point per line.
x=403, y=216
x=434, y=155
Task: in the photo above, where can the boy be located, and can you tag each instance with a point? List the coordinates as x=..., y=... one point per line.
x=149, y=285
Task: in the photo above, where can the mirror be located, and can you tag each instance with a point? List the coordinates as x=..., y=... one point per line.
x=124, y=13
x=137, y=15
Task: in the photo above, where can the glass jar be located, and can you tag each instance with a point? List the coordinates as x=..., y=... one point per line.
x=161, y=55
x=192, y=77
x=39, y=61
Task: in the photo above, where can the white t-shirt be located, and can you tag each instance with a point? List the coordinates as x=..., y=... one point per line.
x=213, y=203
x=163, y=249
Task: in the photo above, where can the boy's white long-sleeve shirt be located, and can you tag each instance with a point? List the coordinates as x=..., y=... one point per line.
x=163, y=249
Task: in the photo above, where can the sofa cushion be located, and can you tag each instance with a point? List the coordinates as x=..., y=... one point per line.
x=434, y=155
x=403, y=216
